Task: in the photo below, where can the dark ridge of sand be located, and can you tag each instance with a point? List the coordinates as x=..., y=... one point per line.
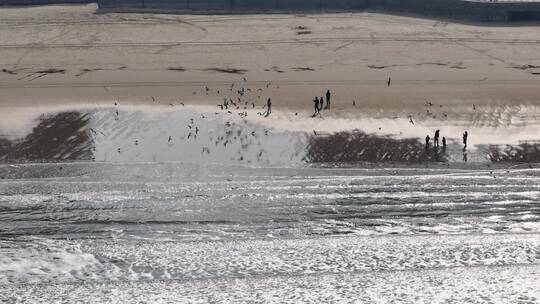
x=357, y=146
x=227, y=70
x=85, y=71
x=526, y=67
x=303, y=69
x=176, y=69
x=524, y=153
x=57, y=137
x=9, y=71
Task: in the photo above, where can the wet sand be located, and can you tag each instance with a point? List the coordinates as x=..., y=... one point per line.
x=244, y=137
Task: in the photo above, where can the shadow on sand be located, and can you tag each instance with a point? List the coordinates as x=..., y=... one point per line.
x=357, y=146
x=522, y=153
x=57, y=137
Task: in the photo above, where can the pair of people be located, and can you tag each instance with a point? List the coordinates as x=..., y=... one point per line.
x=319, y=103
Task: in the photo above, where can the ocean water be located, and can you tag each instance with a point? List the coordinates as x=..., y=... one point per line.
x=92, y=232
x=122, y=214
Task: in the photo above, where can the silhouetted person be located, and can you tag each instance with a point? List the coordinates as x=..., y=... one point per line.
x=269, y=106
x=316, y=106
x=328, y=100
x=444, y=142
x=465, y=136
x=321, y=103
x=427, y=142
x=389, y=80
x=436, y=138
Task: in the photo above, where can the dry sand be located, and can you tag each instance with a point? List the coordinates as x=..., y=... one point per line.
x=68, y=54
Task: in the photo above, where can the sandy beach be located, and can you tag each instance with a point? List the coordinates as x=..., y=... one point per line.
x=69, y=54
x=139, y=161
x=447, y=76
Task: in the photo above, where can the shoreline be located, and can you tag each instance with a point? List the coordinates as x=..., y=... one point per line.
x=200, y=134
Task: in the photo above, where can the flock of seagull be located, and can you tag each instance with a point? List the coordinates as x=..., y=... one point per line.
x=238, y=101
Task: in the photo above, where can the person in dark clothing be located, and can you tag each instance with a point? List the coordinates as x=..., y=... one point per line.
x=328, y=100
x=427, y=142
x=436, y=139
x=465, y=136
x=268, y=107
x=444, y=142
x=321, y=103
x=316, y=106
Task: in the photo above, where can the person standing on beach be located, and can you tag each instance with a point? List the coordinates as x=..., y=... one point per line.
x=328, y=100
x=427, y=142
x=436, y=139
x=465, y=136
x=316, y=105
x=444, y=143
x=269, y=107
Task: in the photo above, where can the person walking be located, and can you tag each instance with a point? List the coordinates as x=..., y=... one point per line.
x=436, y=139
x=465, y=137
